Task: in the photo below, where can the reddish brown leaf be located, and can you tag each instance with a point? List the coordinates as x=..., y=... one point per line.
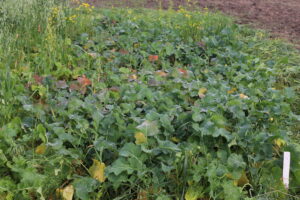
x=61, y=84
x=142, y=195
x=161, y=73
x=183, y=71
x=93, y=54
x=123, y=52
x=74, y=86
x=38, y=79
x=153, y=58
x=84, y=81
x=201, y=44
x=114, y=89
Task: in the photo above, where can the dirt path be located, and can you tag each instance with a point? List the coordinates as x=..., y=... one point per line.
x=281, y=17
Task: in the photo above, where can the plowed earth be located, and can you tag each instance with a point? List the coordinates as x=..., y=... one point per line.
x=281, y=17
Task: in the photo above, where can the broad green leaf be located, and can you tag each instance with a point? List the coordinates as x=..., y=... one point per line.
x=150, y=128
x=124, y=70
x=232, y=192
x=41, y=132
x=119, y=166
x=84, y=186
x=218, y=120
x=166, y=123
x=130, y=150
x=197, y=117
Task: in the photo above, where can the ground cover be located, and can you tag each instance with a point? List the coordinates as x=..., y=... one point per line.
x=142, y=104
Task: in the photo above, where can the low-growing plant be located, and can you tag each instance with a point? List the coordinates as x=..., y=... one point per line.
x=143, y=104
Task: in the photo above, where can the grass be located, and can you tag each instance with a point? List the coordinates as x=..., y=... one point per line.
x=143, y=104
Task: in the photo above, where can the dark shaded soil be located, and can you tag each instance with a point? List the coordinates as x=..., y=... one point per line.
x=281, y=17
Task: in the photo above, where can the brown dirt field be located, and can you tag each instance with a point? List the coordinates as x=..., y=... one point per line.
x=281, y=17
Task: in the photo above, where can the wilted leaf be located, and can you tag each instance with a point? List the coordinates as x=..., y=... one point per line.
x=232, y=91
x=93, y=54
x=175, y=139
x=279, y=142
x=243, y=96
x=153, y=82
x=153, y=58
x=243, y=180
x=41, y=149
x=140, y=138
x=38, y=79
x=67, y=193
x=74, y=86
x=133, y=77
x=183, y=71
x=201, y=44
x=97, y=170
x=202, y=92
x=161, y=73
x=123, y=52
x=194, y=193
x=84, y=81
x=81, y=84
x=114, y=89
x=142, y=195
x=61, y=84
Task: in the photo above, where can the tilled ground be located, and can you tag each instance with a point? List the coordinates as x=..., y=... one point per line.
x=281, y=17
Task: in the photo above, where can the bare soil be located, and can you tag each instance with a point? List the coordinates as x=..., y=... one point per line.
x=281, y=17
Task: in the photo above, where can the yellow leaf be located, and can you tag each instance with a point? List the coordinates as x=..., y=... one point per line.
x=194, y=193
x=279, y=142
x=140, y=138
x=142, y=195
x=229, y=175
x=161, y=73
x=202, y=92
x=133, y=77
x=258, y=164
x=231, y=91
x=242, y=96
x=243, y=180
x=41, y=149
x=67, y=193
x=206, y=71
x=97, y=170
x=175, y=139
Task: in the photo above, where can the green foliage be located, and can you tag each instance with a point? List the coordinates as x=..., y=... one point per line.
x=203, y=92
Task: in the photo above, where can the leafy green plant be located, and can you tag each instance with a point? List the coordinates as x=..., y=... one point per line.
x=143, y=104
